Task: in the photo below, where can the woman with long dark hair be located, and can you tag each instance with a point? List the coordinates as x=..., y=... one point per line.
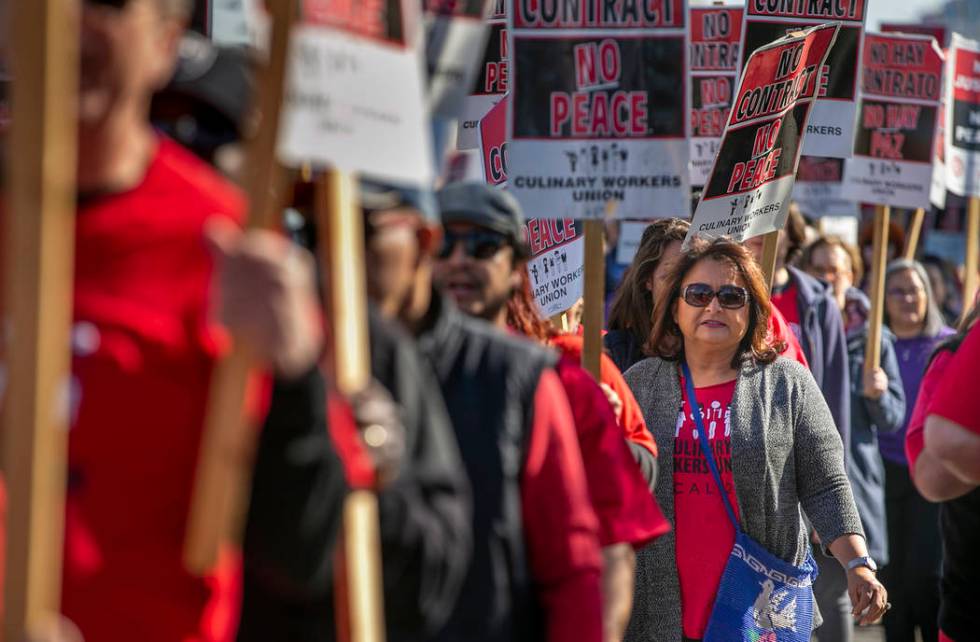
x=729, y=413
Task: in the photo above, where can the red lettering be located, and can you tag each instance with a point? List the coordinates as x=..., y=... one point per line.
x=580, y=114
x=737, y=172
x=559, y=112
x=638, y=107
x=533, y=236
x=546, y=240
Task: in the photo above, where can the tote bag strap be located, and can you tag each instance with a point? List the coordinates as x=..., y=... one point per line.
x=705, y=444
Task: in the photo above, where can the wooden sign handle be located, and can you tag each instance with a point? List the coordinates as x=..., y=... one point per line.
x=38, y=250
x=770, y=243
x=220, y=486
x=341, y=241
x=972, y=241
x=872, y=351
x=915, y=232
x=595, y=295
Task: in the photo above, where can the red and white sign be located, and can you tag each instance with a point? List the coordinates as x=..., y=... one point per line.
x=599, y=108
x=490, y=83
x=963, y=117
x=901, y=90
x=354, y=86
x=936, y=31
x=557, y=245
x=557, y=264
x=831, y=128
x=817, y=190
x=715, y=35
x=493, y=144
x=751, y=183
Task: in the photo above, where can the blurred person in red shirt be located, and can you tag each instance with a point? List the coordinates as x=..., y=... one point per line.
x=943, y=448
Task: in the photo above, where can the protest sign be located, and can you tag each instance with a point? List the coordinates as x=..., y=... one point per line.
x=557, y=264
x=630, y=235
x=936, y=31
x=901, y=87
x=715, y=34
x=749, y=190
x=831, y=128
x=493, y=144
x=354, y=87
x=937, y=192
x=963, y=117
x=455, y=36
x=490, y=83
x=598, y=113
x=818, y=188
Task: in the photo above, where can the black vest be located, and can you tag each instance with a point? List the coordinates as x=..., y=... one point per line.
x=488, y=380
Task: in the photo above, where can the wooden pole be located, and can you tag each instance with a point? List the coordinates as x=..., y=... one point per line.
x=595, y=294
x=341, y=233
x=972, y=240
x=220, y=487
x=872, y=350
x=915, y=231
x=770, y=243
x=39, y=248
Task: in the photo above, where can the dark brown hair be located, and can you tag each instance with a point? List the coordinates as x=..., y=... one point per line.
x=632, y=305
x=523, y=314
x=853, y=254
x=666, y=340
x=795, y=233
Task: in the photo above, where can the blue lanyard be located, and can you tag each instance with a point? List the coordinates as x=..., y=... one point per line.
x=692, y=400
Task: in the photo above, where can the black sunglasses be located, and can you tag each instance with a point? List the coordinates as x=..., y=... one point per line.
x=115, y=4
x=477, y=244
x=699, y=295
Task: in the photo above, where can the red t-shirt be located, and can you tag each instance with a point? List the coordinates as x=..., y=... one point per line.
x=143, y=355
x=786, y=301
x=626, y=508
x=915, y=435
x=559, y=524
x=631, y=421
x=704, y=534
x=780, y=330
x=956, y=399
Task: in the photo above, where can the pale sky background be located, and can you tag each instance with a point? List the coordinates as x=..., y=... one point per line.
x=897, y=10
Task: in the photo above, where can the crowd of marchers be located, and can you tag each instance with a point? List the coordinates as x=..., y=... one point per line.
x=519, y=497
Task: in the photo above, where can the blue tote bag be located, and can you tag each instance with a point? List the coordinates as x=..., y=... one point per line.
x=761, y=598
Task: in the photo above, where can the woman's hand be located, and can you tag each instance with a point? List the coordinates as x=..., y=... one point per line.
x=875, y=384
x=869, y=598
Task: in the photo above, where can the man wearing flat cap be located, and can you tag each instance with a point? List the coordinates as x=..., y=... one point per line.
x=534, y=573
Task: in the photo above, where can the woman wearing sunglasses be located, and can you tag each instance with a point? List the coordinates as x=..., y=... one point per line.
x=773, y=444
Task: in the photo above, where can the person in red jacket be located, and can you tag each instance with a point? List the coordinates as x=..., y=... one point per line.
x=143, y=345
x=629, y=517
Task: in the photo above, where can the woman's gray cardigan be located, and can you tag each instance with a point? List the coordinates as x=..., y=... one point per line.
x=786, y=454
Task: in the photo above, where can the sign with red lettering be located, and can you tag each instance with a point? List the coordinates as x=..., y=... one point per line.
x=715, y=35
x=937, y=193
x=455, y=35
x=490, y=83
x=751, y=183
x=557, y=246
x=354, y=86
x=599, y=109
x=493, y=144
x=901, y=88
x=817, y=190
x=557, y=264
x=831, y=128
x=963, y=117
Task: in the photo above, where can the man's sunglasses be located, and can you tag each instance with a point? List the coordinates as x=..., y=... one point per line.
x=699, y=295
x=478, y=244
